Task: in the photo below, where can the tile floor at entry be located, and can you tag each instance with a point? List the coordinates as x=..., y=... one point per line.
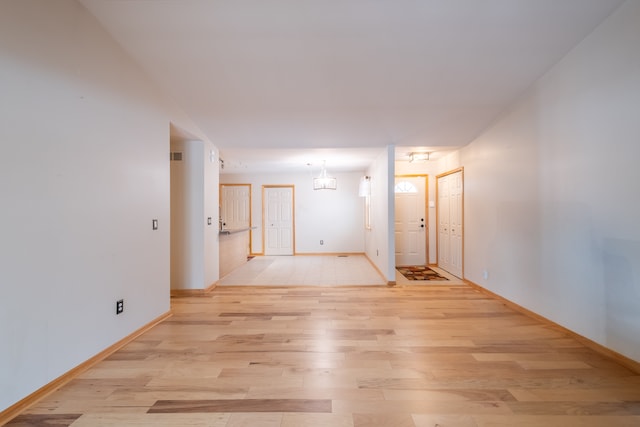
x=323, y=270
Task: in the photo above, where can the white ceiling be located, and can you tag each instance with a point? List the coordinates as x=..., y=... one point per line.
x=261, y=76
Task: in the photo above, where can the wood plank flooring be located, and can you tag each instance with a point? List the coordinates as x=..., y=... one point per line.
x=416, y=356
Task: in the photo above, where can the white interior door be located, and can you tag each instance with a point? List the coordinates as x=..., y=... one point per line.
x=278, y=220
x=444, y=251
x=450, y=222
x=455, y=223
x=235, y=206
x=410, y=220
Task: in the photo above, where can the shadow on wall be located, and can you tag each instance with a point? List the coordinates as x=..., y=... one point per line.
x=622, y=289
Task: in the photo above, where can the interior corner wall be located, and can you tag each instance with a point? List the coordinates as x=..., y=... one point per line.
x=389, y=160
x=187, y=207
x=211, y=200
x=380, y=239
x=551, y=206
x=85, y=169
x=194, y=215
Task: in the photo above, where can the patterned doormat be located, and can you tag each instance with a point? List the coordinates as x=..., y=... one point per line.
x=419, y=272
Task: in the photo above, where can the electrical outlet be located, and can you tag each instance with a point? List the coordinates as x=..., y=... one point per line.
x=119, y=306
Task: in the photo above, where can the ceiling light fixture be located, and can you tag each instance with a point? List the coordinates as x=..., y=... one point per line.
x=324, y=182
x=419, y=157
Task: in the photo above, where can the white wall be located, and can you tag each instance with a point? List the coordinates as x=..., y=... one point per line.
x=211, y=200
x=194, y=199
x=334, y=216
x=85, y=169
x=187, y=207
x=551, y=191
x=380, y=239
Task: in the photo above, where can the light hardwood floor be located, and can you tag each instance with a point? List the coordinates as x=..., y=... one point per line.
x=420, y=356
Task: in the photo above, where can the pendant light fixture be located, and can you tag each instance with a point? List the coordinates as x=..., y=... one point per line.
x=324, y=182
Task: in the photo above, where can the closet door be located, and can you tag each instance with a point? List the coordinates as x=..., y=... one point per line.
x=444, y=251
x=455, y=223
x=235, y=206
x=450, y=188
x=278, y=220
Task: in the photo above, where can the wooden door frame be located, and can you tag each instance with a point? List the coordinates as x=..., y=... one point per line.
x=426, y=207
x=293, y=212
x=451, y=172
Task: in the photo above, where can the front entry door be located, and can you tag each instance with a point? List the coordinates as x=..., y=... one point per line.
x=278, y=220
x=411, y=221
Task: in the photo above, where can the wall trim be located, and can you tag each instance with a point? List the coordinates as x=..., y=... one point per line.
x=625, y=361
x=17, y=408
x=177, y=293
x=373, y=264
x=328, y=253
